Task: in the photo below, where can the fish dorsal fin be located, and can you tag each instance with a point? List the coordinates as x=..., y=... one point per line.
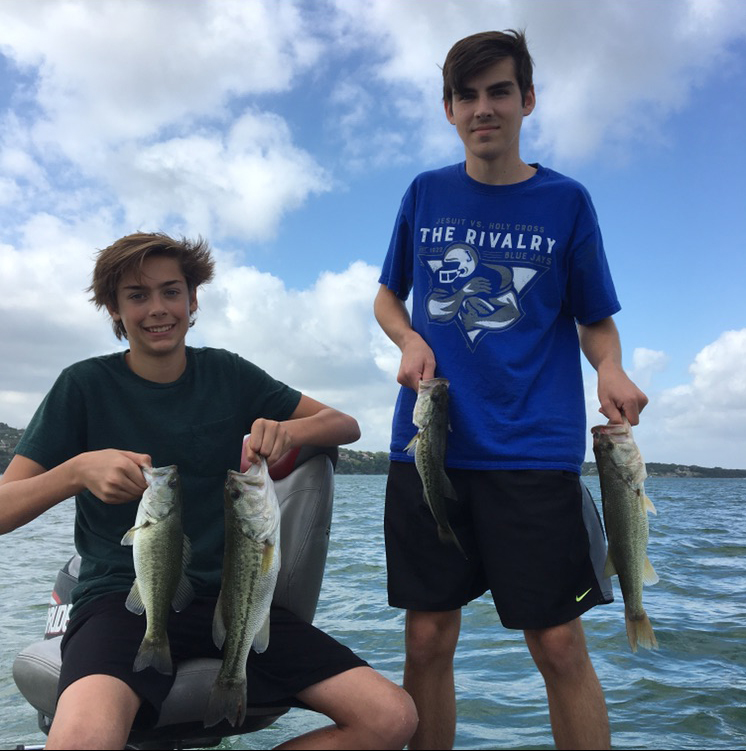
x=218, y=625
x=648, y=573
x=261, y=640
x=134, y=600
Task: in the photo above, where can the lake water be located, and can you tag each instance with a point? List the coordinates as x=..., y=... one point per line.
x=690, y=694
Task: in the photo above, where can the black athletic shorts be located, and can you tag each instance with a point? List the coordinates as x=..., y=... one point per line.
x=103, y=638
x=532, y=537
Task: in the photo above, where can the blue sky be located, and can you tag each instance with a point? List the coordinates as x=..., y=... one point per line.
x=286, y=133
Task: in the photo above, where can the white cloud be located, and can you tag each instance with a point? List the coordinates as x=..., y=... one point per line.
x=645, y=363
x=237, y=183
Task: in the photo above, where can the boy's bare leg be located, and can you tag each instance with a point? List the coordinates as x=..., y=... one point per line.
x=431, y=639
x=95, y=712
x=577, y=708
x=368, y=710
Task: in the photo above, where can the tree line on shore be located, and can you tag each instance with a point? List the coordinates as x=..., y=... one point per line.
x=353, y=462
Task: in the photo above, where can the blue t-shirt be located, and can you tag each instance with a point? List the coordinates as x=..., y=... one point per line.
x=500, y=274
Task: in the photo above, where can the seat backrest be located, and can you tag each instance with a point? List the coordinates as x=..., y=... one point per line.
x=304, y=482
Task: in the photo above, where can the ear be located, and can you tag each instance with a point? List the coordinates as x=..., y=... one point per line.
x=114, y=314
x=193, y=305
x=447, y=105
x=529, y=101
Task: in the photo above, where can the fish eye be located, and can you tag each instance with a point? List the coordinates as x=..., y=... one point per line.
x=235, y=495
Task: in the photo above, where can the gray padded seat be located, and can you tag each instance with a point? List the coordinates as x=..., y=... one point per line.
x=306, y=498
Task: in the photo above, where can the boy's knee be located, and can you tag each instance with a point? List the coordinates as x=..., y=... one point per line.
x=560, y=650
x=432, y=636
x=396, y=721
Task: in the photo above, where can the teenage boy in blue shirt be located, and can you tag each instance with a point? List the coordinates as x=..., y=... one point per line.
x=509, y=280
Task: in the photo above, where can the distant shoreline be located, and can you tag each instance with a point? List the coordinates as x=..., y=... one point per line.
x=353, y=462
x=377, y=463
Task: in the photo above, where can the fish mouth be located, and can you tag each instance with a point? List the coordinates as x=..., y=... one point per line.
x=616, y=432
x=431, y=383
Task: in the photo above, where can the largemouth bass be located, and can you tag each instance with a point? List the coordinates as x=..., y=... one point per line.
x=625, y=504
x=250, y=566
x=160, y=552
x=429, y=448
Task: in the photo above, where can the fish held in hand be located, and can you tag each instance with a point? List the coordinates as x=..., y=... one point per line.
x=250, y=567
x=160, y=553
x=429, y=448
x=622, y=474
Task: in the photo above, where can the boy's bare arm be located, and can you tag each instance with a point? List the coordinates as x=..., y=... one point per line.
x=27, y=489
x=618, y=395
x=417, y=361
x=311, y=423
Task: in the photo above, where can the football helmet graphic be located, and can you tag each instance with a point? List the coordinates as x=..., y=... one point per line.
x=459, y=261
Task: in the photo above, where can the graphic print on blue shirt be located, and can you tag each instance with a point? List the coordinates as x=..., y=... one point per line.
x=479, y=291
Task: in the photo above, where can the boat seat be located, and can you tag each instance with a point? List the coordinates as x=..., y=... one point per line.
x=304, y=482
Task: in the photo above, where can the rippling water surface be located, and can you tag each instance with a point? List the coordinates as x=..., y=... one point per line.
x=690, y=694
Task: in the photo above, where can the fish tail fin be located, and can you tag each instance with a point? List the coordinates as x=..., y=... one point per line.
x=648, y=573
x=640, y=632
x=154, y=654
x=227, y=701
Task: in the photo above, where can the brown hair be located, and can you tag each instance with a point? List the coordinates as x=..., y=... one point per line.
x=128, y=255
x=475, y=53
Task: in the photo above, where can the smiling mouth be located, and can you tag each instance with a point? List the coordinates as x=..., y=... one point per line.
x=159, y=329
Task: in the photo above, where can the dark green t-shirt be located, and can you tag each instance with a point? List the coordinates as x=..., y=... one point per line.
x=197, y=422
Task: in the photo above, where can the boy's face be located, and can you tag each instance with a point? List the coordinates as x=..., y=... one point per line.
x=488, y=113
x=155, y=307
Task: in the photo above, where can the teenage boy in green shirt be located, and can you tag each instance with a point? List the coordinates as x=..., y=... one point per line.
x=156, y=404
